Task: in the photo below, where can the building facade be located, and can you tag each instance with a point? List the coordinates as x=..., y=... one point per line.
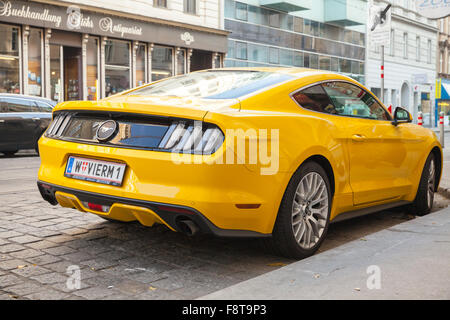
x=73, y=50
x=410, y=61
x=318, y=34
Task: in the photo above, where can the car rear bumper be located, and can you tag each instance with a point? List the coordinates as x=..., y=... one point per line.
x=225, y=200
x=146, y=212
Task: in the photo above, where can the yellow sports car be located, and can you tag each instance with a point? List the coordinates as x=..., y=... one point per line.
x=243, y=152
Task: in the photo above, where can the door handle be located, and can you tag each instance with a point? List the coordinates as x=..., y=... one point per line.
x=358, y=138
x=36, y=119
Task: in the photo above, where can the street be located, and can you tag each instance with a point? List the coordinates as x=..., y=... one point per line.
x=38, y=242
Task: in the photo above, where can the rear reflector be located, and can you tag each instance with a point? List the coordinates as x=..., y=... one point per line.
x=175, y=209
x=96, y=207
x=248, y=205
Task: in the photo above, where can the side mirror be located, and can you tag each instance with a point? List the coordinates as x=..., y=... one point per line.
x=401, y=116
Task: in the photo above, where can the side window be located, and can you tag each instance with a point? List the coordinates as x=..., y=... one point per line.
x=44, y=107
x=21, y=105
x=3, y=106
x=352, y=101
x=315, y=99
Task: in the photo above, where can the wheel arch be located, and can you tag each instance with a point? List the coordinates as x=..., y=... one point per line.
x=326, y=165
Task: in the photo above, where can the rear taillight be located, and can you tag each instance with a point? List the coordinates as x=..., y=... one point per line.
x=197, y=137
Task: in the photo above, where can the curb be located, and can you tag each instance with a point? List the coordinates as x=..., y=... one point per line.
x=445, y=192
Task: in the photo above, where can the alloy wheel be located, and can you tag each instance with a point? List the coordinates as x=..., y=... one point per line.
x=431, y=184
x=310, y=210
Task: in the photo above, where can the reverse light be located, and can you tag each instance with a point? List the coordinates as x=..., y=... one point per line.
x=197, y=137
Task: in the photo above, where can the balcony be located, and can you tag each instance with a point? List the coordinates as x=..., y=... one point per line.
x=287, y=5
x=345, y=13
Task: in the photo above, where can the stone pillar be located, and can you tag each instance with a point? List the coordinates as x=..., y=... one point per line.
x=188, y=60
x=47, y=84
x=149, y=62
x=84, y=43
x=135, y=47
x=25, y=34
x=101, y=77
x=175, y=67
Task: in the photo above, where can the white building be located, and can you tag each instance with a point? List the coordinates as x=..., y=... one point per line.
x=410, y=61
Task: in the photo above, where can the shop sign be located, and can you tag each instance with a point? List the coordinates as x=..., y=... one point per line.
x=433, y=9
x=72, y=18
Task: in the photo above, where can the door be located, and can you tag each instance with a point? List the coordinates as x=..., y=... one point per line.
x=21, y=123
x=3, y=132
x=378, y=150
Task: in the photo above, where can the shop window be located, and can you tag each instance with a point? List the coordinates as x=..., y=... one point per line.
x=141, y=54
x=35, y=62
x=56, y=85
x=162, y=62
x=181, y=61
x=117, y=66
x=92, y=68
x=9, y=59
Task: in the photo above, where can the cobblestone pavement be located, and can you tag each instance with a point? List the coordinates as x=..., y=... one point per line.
x=39, y=242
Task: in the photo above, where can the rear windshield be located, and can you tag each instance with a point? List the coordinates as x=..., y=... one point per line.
x=220, y=84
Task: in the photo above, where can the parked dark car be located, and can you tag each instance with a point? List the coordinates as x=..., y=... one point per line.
x=23, y=119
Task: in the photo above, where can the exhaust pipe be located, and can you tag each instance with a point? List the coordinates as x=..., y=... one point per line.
x=188, y=227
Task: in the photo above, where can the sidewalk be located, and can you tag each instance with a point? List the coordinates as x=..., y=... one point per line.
x=413, y=259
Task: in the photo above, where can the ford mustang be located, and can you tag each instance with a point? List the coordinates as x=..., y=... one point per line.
x=276, y=153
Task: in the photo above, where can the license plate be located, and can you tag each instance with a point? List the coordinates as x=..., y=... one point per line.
x=95, y=170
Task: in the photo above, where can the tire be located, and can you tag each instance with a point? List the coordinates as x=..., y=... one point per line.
x=295, y=234
x=10, y=153
x=423, y=203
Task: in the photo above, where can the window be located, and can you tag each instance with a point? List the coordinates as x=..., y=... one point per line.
x=21, y=105
x=215, y=84
x=92, y=68
x=190, y=6
x=418, y=49
x=441, y=62
x=141, y=58
x=162, y=62
x=117, y=66
x=429, y=52
x=35, y=63
x=315, y=99
x=350, y=100
x=241, y=50
x=392, y=48
x=181, y=61
x=44, y=107
x=9, y=63
x=160, y=3
x=241, y=11
x=274, y=55
x=405, y=45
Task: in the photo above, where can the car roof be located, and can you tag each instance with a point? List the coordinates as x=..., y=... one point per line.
x=28, y=97
x=294, y=71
